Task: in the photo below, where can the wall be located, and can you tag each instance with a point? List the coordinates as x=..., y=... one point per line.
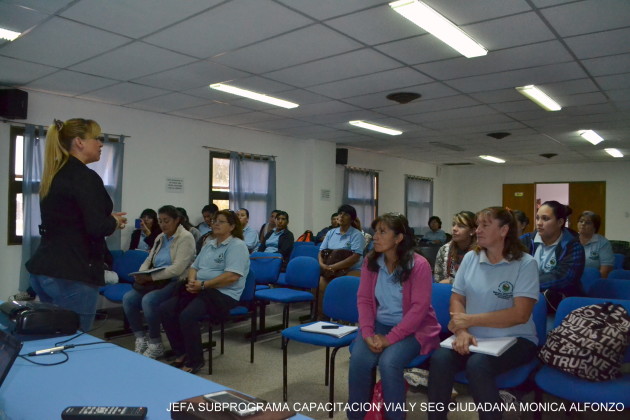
x=473, y=188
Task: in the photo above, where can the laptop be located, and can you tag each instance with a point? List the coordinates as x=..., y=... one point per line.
x=9, y=350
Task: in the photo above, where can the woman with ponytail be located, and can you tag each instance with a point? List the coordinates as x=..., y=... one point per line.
x=76, y=212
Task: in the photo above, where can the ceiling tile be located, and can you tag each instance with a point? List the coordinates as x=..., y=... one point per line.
x=618, y=81
x=135, y=18
x=168, y=103
x=18, y=72
x=132, y=61
x=600, y=44
x=521, y=29
x=44, y=6
x=19, y=19
x=65, y=82
x=229, y=26
x=325, y=9
x=123, y=93
x=377, y=100
x=213, y=110
x=424, y=106
x=245, y=118
x=420, y=49
x=286, y=50
x=320, y=108
x=608, y=65
x=465, y=12
x=194, y=75
x=588, y=16
x=61, y=43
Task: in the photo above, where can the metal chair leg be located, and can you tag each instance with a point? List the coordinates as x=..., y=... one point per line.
x=327, y=375
x=285, y=345
x=332, y=381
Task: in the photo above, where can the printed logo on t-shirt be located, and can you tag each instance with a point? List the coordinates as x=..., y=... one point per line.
x=220, y=258
x=594, y=255
x=505, y=290
x=550, y=265
x=348, y=245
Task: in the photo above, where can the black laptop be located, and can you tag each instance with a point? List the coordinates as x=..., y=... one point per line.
x=9, y=350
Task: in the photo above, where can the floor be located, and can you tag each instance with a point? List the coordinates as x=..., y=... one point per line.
x=306, y=390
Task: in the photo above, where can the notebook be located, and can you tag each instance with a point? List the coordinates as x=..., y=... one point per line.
x=337, y=330
x=149, y=271
x=9, y=350
x=491, y=346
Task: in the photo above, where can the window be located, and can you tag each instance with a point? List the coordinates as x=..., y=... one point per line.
x=220, y=180
x=16, y=174
x=361, y=192
x=418, y=201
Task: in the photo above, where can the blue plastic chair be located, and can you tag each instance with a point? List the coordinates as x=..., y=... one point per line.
x=302, y=276
x=618, y=265
x=619, y=274
x=305, y=251
x=589, y=277
x=611, y=289
x=572, y=388
x=340, y=304
x=267, y=267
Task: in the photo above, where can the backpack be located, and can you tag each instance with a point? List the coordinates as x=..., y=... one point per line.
x=590, y=342
x=306, y=237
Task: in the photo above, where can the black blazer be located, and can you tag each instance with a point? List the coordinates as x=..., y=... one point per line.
x=285, y=246
x=76, y=218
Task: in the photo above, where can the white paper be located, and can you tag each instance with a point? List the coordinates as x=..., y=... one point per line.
x=339, y=332
x=491, y=346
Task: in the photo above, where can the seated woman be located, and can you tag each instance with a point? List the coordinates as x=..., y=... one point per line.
x=347, y=238
x=395, y=315
x=280, y=239
x=173, y=250
x=450, y=255
x=522, y=221
x=143, y=237
x=435, y=235
x=215, y=283
x=250, y=236
x=598, y=251
x=559, y=255
x=494, y=294
x=187, y=225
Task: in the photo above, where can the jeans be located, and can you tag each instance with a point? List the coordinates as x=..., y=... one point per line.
x=74, y=295
x=481, y=371
x=390, y=362
x=149, y=303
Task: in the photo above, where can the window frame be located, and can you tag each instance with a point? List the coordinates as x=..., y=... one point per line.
x=217, y=195
x=14, y=188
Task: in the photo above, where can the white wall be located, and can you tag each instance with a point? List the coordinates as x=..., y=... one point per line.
x=475, y=187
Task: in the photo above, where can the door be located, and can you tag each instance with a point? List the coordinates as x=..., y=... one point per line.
x=521, y=197
x=588, y=196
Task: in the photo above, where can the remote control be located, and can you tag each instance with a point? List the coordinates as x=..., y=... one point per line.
x=104, y=413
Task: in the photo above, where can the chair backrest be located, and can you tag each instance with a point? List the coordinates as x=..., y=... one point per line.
x=619, y=274
x=129, y=262
x=611, y=289
x=250, y=287
x=429, y=252
x=539, y=315
x=618, y=261
x=302, y=272
x=589, y=277
x=571, y=303
x=266, y=265
x=305, y=251
x=441, y=302
x=340, y=299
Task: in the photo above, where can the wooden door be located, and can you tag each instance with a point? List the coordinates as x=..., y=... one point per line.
x=521, y=197
x=588, y=196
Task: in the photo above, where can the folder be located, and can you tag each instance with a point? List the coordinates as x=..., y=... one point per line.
x=491, y=346
x=339, y=331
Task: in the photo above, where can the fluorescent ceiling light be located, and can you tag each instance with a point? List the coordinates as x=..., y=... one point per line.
x=440, y=27
x=492, y=158
x=8, y=35
x=254, y=95
x=614, y=153
x=591, y=136
x=540, y=97
x=374, y=127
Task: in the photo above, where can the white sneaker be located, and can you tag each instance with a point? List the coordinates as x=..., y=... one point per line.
x=154, y=351
x=141, y=345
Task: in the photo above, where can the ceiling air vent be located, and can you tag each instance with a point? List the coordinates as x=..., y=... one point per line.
x=403, y=97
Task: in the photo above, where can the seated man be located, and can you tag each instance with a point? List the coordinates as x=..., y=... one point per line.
x=280, y=239
x=208, y=212
x=249, y=233
x=334, y=222
x=268, y=227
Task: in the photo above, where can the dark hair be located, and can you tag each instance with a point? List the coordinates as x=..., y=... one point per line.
x=348, y=209
x=356, y=223
x=334, y=215
x=399, y=224
x=282, y=213
x=150, y=213
x=171, y=212
x=184, y=219
x=521, y=216
x=466, y=218
x=595, y=218
x=513, y=249
x=246, y=211
x=210, y=208
x=233, y=220
x=274, y=211
x=432, y=218
x=560, y=211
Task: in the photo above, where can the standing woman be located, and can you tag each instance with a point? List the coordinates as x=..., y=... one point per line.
x=76, y=211
x=451, y=254
x=494, y=294
x=396, y=318
x=598, y=251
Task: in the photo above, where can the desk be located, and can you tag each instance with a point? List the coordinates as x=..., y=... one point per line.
x=102, y=374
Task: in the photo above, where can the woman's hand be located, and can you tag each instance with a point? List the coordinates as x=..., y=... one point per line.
x=373, y=344
x=143, y=278
x=193, y=286
x=144, y=228
x=459, y=321
x=463, y=339
x=121, y=220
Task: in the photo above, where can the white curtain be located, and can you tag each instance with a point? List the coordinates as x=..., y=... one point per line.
x=359, y=191
x=418, y=202
x=253, y=186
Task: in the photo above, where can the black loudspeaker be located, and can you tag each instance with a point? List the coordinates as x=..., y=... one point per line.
x=342, y=157
x=13, y=103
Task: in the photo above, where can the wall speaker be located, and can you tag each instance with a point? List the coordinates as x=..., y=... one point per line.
x=342, y=157
x=13, y=103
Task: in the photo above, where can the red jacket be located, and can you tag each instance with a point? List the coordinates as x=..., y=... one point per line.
x=418, y=314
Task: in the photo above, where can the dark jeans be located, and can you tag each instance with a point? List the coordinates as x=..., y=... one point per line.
x=181, y=323
x=481, y=371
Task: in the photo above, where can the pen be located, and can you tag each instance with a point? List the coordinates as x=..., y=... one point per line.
x=329, y=327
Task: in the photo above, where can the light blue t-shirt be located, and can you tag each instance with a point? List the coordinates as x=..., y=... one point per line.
x=142, y=245
x=271, y=244
x=438, y=235
x=163, y=256
x=388, y=293
x=203, y=228
x=231, y=255
x=598, y=251
x=492, y=287
x=251, y=237
x=545, y=255
x=353, y=240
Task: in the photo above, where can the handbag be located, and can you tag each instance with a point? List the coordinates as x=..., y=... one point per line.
x=333, y=256
x=377, y=410
x=590, y=342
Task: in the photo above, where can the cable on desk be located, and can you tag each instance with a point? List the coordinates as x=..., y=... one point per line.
x=25, y=357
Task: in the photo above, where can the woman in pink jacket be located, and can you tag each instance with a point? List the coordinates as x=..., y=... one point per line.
x=395, y=315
